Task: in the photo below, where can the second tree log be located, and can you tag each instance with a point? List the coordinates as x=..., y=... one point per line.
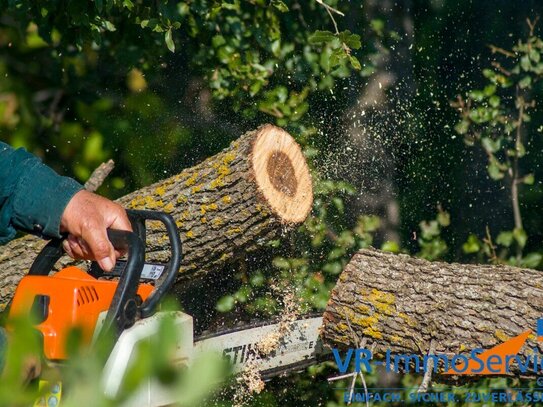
x=402, y=304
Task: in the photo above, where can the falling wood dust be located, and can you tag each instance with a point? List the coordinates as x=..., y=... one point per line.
x=249, y=382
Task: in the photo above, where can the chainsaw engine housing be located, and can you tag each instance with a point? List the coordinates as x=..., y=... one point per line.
x=70, y=299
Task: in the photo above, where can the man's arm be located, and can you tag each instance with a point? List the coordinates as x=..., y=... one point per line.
x=32, y=196
x=36, y=199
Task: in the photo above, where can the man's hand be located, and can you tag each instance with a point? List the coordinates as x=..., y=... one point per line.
x=86, y=219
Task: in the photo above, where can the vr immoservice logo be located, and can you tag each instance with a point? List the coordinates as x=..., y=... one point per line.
x=495, y=361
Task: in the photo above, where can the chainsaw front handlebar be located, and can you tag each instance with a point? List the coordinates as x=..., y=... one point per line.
x=138, y=219
x=123, y=308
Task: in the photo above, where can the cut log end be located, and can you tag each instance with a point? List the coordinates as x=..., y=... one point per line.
x=282, y=174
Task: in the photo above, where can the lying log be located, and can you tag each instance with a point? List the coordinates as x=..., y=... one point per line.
x=228, y=205
x=405, y=304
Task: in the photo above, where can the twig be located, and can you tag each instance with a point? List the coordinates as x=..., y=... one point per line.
x=423, y=388
x=362, y=345
x=500, y=68
x=488, y=241
x=532, y=24
x=515, y=171
x=365, y=388
x=341, y=377
x=99, y=175
x=494, y=49
x=330, y=10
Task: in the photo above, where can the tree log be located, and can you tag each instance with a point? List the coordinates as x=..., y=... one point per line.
x=403, y=304
x=228, y=205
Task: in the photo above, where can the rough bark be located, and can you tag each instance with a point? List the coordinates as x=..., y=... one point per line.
x=402, y=304
x=224, y=207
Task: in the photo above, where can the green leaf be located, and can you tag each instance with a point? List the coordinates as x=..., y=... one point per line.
x=275, y=243
x=355, y=63
x=462, y=127
x=242, y=295
x=505, y=238
x=128, y=4
x=217, y=41
x=520, y=236
x=169, y=40
x=535, y=55
x=338, y=203
x=494, y=170
x=257, y=279
x=490, y=145
x=531, y=260
x=108, y=25
x=279, y=5
x=390, y=246
x=370, y=223
x=494, y=101
x=281, y=263
x=225, y=303
x=477, y=95
x=319, y=37
x=444, y=218
x=525, y=82
x=472, y=245
x=333, y=268
x=519, y=151
x=336, y=253
x=529, y=179
x=489, y=90
x=94, y=147
x=337, y=56
x=377, y=26
x=489, y=73
x=525, y=63
x=429, y=229
x=350, y=39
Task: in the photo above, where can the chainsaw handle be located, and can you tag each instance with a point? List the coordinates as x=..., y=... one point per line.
x=138, y=219
x=123, y=308
x=53, y=251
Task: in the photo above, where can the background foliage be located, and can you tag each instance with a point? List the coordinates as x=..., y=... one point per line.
x=159, y=86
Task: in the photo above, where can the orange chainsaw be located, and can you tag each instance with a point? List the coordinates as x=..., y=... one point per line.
x=125, y=311
x=73, y=298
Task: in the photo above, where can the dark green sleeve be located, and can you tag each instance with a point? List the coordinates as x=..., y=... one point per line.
x=32, y=196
